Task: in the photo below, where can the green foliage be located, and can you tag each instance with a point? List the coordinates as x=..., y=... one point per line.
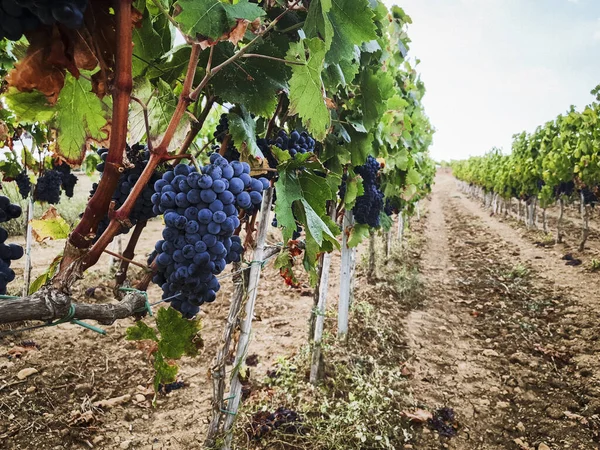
x=543, y=164
x=174, y=337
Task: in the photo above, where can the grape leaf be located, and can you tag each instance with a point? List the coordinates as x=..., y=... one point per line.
x=212, y=18
x=361, y=146
x=376, y=89
x=163, y=371
x=358, y=234
x=352, y=22
x=149, y=44
x=50, y=226
x=252, y=82
x=317, y=24
x=46, y=276
x=172, y=66
x=176, y=334
x=29, y=107
x=161, y=103
x=140, y=331
x=306, y=87
x=80, y=117
x=243, y=132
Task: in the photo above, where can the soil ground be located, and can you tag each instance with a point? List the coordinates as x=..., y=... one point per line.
x=506, y=335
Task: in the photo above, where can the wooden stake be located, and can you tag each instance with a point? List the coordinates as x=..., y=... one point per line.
x=27, y=273
x=345, y=277
x=235, y=392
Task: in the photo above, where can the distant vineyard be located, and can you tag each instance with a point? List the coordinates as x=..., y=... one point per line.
x=558, y=162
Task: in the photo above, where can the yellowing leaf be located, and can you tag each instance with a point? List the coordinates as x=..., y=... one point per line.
x=50, y=226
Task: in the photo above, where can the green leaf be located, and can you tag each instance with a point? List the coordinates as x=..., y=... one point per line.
x=352, y=22
x=360, y=147
x=54, y=228
x=376, y=89
x=243, y=132
x=80, y=116
x=140, y=332
x=306, y=87
x=29, y=107
x=354, y=189
x=358, y=234
x=253, y=82
x=172, y=67
x=317, y=24
x=46, y=276
x=149, y=44
x=176, y=334
x=161, y=104
x=304, y=195
x=164, y=372
x=213, y=18
x=90, y=162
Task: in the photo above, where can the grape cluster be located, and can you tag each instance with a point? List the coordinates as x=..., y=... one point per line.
x=138, y=155
x=368, y=206
x=24, y=184
x=66, y=12
x=295, y=143
x=68, y=179
x=283, y=418
x=231, y=154
x=201, y=214
x=48, y=187
x=589, y=197
x=8, y=252
x=15, y=20
x=444, y=422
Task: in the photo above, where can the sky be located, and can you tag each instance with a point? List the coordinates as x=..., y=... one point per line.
x=494, y=68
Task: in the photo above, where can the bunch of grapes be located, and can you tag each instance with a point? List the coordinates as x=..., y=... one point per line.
x=589, y=198
x=444, y=422
x=24, y=184
x=295, y=143
x=68, y=179
x=8, y=252
x=389, y=209
x=231, y=154
x=201, y=214
x=263, y=422
x=48, y=187
x=138, y=155
x=368, y=206
x=66, y=12
x=15, y=20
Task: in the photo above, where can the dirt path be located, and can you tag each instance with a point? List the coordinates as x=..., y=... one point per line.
x=508, y=336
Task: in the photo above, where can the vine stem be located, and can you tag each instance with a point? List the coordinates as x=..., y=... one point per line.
x=81, y=237
x=125, y=259
x=272, y=58
x=129, y=253
x=197, y=125
x=158, y=155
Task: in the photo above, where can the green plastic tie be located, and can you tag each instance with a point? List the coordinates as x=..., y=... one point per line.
x=147, y=307
x=70, y=318
x=8, y=297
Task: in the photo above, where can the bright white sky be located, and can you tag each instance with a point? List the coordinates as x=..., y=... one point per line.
x=494, y=68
